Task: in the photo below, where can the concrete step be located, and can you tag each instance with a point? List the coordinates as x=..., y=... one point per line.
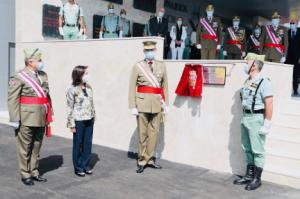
x=275, y=177
x=283, y=166
x=284, y=149
x=288, y=120
x=285, y=133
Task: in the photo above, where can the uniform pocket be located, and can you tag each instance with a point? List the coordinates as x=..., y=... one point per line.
x=140, y=96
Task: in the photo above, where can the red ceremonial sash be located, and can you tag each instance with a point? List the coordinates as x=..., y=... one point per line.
x=209, y=29
x=41, y=99
x=275, y=43
x=151, y=90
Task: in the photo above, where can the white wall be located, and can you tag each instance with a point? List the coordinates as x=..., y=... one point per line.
x=7, y=34
x=29, y=15
x=202, y=132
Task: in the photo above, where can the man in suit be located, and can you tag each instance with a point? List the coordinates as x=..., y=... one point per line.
x=293, y=54
x=158, y=26
x=148, y=101
x=30, y=113
x=209, y=34
x=274, y=41
x=235, y=40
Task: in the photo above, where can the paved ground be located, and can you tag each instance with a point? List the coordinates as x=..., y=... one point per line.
x=115, y=178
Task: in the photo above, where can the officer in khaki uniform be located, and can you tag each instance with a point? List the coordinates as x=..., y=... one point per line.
x=257, y=102
x=235, y=40
x=148, y=100
x=30, y=112
x=209, y=34
x=274, y=41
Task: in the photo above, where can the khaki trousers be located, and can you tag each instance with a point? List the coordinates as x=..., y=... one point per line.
x=148, y=126
x=29, y=142
x=208, y=53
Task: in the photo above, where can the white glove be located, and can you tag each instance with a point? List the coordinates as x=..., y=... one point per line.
x=121, y=34
x=218, y=47
x=61, y=32
x=80, y=32
x=199, y=46
x=134, y=112
x=244, y=54
x=266, y=128
x=166, y=110
x=225, y=53
x=84, y=37
x=15, y=125
x=101, y=35
x=282, y=60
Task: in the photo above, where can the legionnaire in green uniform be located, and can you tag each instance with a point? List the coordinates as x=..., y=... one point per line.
x=253, y=43
x=71, y=21
x=257, y=102
x=110, y=24
x=274, y=41
x=30, y=111
x=124, y=25
x=235, y=40
x=148, y=101
x=209, y=34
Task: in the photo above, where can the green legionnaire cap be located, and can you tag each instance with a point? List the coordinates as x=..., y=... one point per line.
x=236, y=18
x=110, y=6
x=210, y=7
x=33, y=54
x=276, y=15
x=253, y=57
x=123, y=11
x=149, y=45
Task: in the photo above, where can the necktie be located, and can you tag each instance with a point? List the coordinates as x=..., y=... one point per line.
x=151, y=65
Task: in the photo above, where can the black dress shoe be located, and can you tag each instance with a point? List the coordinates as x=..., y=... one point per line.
x=88, y=172
x=39, y=179
x=80, y=173
x=140, y=169
x=27, y=181
x=155, y=166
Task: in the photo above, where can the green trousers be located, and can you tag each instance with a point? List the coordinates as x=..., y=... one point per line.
x=253, y=143
x=71, y=33
x=29, y=142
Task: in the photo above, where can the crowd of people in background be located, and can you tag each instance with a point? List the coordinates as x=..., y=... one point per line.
x=209, y=39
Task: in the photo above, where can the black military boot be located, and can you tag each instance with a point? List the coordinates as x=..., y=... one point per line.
x=256, y=182
x=247, y=178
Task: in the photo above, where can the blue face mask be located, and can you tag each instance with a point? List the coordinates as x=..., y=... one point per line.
x=149, y=55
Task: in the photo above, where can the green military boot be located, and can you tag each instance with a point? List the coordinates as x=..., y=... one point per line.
x=256, y=182
x=247, y=178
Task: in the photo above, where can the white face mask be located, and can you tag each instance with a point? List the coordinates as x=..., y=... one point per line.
x=179, y=23
x=85, y=78
x=111, y=11
x=161, y=14
x=236, y=23
x=41, y=66
x=123, y=16
x=209, y=13
x=293, y=27
x=275, y=22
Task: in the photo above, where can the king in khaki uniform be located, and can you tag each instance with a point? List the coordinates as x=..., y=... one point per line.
x=209, y=34
x=257, y=102
x=235, y=40
x=148, y=101
x=274, y=41
x=30, y=113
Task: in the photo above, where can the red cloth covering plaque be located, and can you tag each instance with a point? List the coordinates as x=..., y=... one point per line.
x=190, y=83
